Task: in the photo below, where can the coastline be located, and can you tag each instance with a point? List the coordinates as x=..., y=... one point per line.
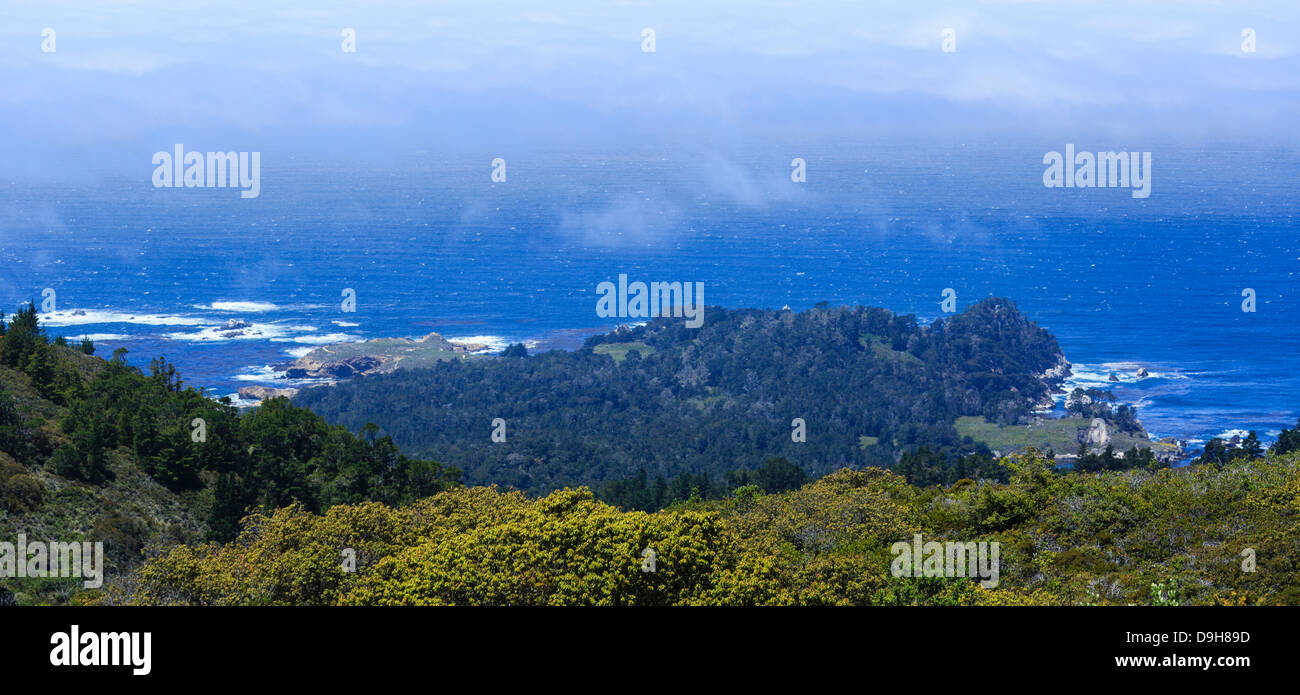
x=329, y=364
x=289, y=331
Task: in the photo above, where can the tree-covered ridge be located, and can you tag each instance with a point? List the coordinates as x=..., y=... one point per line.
x=867, y=384
x=1202, y=535
x=98, y=450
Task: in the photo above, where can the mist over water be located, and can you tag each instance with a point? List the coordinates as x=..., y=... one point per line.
x=431, y=244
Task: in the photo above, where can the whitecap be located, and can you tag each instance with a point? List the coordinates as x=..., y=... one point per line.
x=1230, y=433
x=243, y=331
x=88, y=317
x=230, y=306
x=325, y=339
x=239, y=401
x=99, y=337
x=1094, y=376
x=265, y=373
x=270, y=376
x=494, y=343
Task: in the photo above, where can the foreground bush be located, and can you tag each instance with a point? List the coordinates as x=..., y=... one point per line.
x=1151, y=537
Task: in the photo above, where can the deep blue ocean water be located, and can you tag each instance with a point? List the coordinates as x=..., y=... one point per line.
x=429, y=243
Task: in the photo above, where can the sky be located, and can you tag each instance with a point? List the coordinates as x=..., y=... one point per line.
x=128, y=78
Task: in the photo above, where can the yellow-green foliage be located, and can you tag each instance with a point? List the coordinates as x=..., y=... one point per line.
x=1169, y=536
x=564, y=549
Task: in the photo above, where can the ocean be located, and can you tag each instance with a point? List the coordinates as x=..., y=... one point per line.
x=226, y=287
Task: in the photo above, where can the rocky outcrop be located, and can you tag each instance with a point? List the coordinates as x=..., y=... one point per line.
x=1053, y=377
x=1096, y=434
x=261, y=393
x=1057, y=373
x=309, y=368
x=442, y=343
x=376, y=356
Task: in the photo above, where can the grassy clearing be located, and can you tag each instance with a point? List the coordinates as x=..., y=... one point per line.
x=619, y=350
x=1059, y=435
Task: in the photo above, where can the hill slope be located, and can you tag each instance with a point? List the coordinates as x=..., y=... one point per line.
x=95, y=450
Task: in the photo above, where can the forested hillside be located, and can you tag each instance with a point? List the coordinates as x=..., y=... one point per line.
x=96, y=450
x=668, y=400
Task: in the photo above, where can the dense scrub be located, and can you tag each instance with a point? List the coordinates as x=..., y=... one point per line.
x=1163, y=536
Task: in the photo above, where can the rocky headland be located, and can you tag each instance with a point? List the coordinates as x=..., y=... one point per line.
x=338, y=361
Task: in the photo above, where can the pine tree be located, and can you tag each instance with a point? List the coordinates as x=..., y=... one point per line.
x=1288, y=441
